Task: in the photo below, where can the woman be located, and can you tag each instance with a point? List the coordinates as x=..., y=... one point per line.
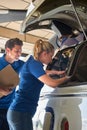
x=32, y=79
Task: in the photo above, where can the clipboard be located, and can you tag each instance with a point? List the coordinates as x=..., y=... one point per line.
x=8, y=77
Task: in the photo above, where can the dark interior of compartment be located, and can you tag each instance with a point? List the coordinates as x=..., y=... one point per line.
x=78, y=67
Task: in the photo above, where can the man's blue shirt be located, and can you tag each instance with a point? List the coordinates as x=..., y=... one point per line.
x=17, y=65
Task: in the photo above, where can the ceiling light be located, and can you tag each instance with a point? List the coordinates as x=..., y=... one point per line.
x=3, y=11
x=46, y=22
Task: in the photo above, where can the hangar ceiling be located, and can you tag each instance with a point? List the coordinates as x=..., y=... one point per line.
x=10, y=27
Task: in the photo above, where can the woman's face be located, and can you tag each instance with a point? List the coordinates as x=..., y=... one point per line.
x=46, y=58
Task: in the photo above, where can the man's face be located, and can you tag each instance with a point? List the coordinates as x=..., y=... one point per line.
x=14, y=53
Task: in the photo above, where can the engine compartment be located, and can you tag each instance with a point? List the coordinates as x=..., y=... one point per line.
x=74, y=61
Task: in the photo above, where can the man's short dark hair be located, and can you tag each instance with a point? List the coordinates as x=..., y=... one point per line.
x=12, y=42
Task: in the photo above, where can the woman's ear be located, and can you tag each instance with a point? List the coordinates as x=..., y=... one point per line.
x=44, y=53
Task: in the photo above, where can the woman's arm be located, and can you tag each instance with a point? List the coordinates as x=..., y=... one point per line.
x=53, y=82
x=51, y=72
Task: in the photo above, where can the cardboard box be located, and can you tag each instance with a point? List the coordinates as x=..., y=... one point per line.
x=8, y=77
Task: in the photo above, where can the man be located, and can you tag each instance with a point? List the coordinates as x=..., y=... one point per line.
x=13, y=49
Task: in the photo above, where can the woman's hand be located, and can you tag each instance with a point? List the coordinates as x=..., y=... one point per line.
x=52, y=72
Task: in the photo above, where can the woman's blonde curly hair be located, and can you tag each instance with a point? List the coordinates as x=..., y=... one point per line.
x=40, y=46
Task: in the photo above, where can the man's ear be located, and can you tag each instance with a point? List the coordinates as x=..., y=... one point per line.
x=7, y=50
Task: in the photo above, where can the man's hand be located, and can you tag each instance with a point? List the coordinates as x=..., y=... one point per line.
x=5, y=91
